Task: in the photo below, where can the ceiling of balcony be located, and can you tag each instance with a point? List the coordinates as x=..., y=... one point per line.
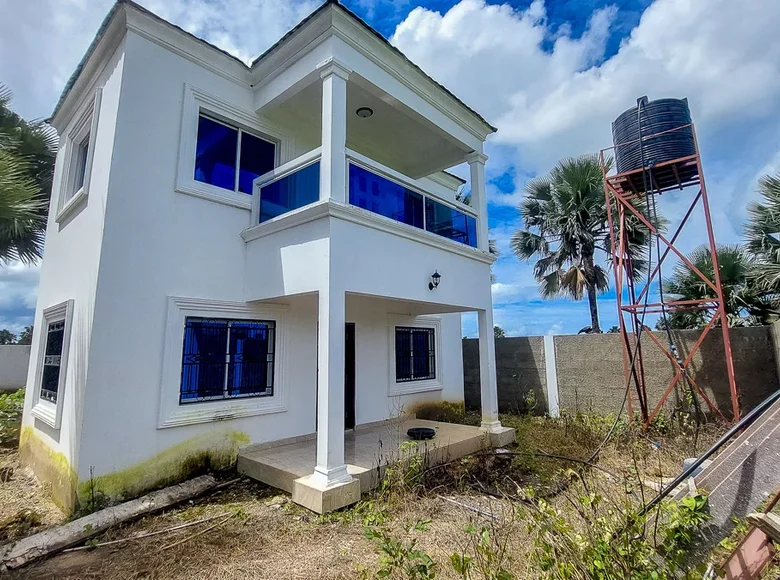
x=394, y=135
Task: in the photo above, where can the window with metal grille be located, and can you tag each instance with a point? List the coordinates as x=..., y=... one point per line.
x=227, y=359
x=415, y=354
x=52, y=359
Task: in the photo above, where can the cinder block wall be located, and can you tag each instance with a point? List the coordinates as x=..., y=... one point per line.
x=590, y=369
x=14, y=360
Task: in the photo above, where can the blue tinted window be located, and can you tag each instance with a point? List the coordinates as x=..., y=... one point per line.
x=223, y=359
x=215, y=157
x=257, y=158
x=450, y=223
x=380, y=195
x=290, y=192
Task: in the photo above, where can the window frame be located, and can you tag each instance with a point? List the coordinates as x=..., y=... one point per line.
x=174, y=413
x=197, y=102
x=430, y=332
x=50, y=412
x=228, y=362
x=84, y=127
x=409, y=387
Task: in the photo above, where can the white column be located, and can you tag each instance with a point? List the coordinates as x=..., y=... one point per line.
x=551, y=374
x=487, y=371
x=333, y=163
x=476, y=160
x=331, y=467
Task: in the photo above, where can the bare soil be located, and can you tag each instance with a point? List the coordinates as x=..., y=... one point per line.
x=266, y=536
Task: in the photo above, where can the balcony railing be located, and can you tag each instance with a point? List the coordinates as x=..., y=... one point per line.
x=374, y=188
x=288, y=187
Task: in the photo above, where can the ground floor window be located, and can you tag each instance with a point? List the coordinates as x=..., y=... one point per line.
x=415, y=354
x=52, y=360
x=225, y=359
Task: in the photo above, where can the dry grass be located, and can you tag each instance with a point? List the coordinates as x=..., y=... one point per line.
x=268, y=537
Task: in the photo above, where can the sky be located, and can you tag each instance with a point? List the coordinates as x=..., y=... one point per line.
x=550, y=75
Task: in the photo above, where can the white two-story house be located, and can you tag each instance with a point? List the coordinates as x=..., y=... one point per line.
x=238, y=255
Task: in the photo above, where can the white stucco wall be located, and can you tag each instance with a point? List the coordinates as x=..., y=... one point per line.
x=70, y=271
x=14, y=362
x=138, y=242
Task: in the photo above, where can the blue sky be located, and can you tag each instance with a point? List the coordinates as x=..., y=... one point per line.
x=550, y=75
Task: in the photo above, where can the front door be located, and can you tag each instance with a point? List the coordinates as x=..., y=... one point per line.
x=349, y=376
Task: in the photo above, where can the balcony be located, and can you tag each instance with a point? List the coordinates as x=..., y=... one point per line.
x=371, y=187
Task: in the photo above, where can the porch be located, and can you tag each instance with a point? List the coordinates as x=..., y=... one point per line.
x=368, y=450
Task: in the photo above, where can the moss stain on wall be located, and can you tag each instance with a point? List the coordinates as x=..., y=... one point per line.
x=50, y=467
x=204, y=452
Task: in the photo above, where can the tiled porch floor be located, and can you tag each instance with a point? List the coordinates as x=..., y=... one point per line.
x=368, y=451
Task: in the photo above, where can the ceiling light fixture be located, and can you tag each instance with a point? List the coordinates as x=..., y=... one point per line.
x=364, y=112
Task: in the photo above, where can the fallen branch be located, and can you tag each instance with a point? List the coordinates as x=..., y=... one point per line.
x=200, y=533
x=468, y=507
x=148, y=534
x=56, y=539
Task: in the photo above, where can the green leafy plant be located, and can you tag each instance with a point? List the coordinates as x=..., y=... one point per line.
x=613, y=543
x=483, y=557
x=402, y=558
x=11, y=407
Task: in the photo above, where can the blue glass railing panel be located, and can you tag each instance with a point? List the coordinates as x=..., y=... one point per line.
x=290, y=192
x=450, y=223
x=378, y=194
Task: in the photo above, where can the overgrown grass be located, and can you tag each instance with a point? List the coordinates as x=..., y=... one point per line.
x=11, y=406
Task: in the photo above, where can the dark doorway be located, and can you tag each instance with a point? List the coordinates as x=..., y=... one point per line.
x=349, y=376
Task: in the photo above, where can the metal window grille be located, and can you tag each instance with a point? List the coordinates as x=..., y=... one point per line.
x=415, y=354
x=52, y=358
x=227, y=359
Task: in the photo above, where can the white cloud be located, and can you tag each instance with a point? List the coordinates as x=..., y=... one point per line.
x=724, y=55
x=42, y=41
x=19, y=286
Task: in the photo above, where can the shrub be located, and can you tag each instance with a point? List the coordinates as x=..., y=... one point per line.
x=11, y=406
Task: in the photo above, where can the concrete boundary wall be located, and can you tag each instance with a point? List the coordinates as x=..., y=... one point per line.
x=14, y=360
x=587, y=369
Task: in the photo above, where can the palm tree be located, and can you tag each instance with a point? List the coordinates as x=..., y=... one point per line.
x=745, y=301
x=565, y=219
x=762, y=233
x=27, y=151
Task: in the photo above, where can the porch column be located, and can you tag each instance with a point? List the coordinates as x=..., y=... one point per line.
x=331, y=467
x=333, y=163
x=487, y=371
x=476, y=160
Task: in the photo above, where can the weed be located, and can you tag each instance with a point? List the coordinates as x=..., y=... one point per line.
x=11, y=407
x=398, y=557
x=483, y=557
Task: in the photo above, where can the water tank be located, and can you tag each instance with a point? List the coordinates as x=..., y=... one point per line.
x=653, y=117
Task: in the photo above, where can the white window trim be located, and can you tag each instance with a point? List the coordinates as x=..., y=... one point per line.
x=196, y=99
x=48, y=412
x=394, y=388
x=174, y=414
x=86, y=123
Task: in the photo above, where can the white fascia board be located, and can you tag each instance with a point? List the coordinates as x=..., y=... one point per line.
x=293, y=76
x=83, y=87
x=399, y=67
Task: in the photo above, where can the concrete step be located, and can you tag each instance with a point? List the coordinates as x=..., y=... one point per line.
x=767, y=523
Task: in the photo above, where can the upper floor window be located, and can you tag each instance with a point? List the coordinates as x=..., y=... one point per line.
x=415, y=353
x=226, y=359
x=229, y=157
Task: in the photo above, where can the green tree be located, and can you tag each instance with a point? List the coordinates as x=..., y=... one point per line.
x=26, y=336
x=498, y=332
x=7, y=337
x=762, y=233
x=747, y=303
x=27, y=152
x=565, y=219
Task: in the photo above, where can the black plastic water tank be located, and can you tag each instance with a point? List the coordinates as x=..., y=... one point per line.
x=655, y=117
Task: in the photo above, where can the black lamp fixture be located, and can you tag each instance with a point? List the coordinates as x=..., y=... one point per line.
x=435, y=279
x=364, y=112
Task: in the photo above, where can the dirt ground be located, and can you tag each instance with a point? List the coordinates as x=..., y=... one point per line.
x=266, y=536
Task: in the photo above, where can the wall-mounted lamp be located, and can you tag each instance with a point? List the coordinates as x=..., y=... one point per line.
x=435, y=279
x=364, y=112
